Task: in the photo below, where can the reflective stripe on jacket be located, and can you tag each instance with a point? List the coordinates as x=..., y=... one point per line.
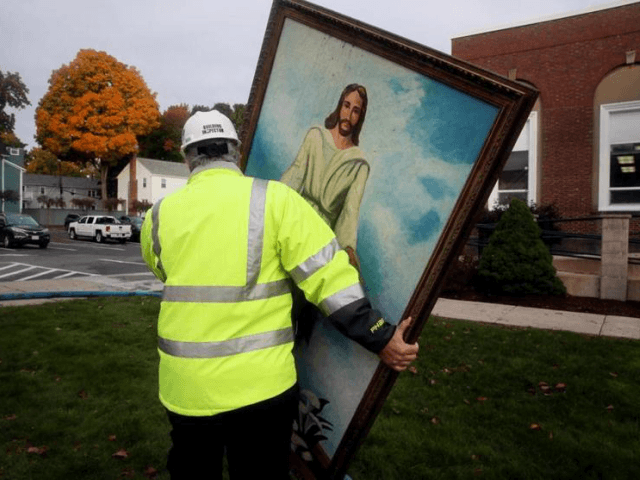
x=227, y=246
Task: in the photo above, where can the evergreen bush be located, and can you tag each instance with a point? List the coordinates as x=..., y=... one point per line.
x=544, y=215
x=516, y=261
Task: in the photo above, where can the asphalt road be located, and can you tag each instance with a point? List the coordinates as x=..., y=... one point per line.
x=66, y=258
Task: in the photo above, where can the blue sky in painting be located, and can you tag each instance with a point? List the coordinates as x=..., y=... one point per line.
x=420, y=137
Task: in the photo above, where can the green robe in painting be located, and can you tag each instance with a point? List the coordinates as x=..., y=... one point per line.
x=332, y=181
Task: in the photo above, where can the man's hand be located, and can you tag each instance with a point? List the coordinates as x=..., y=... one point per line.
x=398, y=354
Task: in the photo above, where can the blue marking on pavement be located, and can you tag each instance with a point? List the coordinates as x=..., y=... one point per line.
x=76, y=294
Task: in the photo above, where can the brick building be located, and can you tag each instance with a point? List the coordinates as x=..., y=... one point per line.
x=580, y=148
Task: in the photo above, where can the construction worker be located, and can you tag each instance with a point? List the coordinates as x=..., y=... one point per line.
x=226, y=247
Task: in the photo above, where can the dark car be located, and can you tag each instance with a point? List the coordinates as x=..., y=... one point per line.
x=72, y=217
x=136, y=226
x=17, y=229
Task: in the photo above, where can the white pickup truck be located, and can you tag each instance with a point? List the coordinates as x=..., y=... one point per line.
x=100, y=228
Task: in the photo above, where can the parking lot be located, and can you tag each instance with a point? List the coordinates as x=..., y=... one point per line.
x=65, y=258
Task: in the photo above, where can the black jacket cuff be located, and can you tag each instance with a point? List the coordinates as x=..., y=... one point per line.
x=362, y=324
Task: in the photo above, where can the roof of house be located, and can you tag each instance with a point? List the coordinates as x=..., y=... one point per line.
x=13, y=155
x=162, y=167
x=39, y=180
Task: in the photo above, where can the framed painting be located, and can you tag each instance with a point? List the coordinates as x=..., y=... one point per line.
x=397, y=146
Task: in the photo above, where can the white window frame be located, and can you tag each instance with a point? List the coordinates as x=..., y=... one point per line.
x=604, y=200
x=527, y=141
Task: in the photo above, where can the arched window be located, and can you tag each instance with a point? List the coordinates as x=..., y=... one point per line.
x=617, y=109
x=519, y=177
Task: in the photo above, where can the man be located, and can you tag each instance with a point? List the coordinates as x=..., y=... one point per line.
x=330, y=171
x=226, y=247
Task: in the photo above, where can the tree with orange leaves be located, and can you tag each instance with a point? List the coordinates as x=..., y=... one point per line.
x=46, y=163
x=94, y=110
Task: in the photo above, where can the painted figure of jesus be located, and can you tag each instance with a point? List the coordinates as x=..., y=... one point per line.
x=330, y=170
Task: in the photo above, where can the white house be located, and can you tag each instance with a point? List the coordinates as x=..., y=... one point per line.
x=150, y=180
x=36, y=186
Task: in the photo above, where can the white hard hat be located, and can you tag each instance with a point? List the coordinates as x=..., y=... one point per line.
x=207, y=126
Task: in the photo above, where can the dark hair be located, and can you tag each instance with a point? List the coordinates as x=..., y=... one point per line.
x=332, y=120
x=213, y=150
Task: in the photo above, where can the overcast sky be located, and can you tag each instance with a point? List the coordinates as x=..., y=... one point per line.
x=203, y=52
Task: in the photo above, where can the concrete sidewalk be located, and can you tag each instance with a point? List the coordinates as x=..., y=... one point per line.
x=587, y=323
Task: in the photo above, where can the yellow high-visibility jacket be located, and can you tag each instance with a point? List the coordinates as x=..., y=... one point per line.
x=226, y=247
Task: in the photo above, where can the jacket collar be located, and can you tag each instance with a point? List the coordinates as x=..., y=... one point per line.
x=218, y=164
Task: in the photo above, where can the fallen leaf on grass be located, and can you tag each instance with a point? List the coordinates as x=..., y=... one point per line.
x=435, y=420
x=550, y=435
x=11, y=417
x=121, y=454
x=150, y=472
x=432, y=381
x=77, y=445
x=535, y=426
x=613, y=374
x=38, y=450
x=545, y=388
x=610, y=407
x=482, y=399
x=561, y=387
x=396, y=411
x=466, y=401
x=82, y=394
x=413, y=370
x=112, y=438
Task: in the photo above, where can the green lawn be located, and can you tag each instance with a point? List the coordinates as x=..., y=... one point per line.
x=78, y=386
x=501, y=403
x=78, y=400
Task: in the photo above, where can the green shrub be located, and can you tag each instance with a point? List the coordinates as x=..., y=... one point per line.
x=516, y=261
x=544, y=215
